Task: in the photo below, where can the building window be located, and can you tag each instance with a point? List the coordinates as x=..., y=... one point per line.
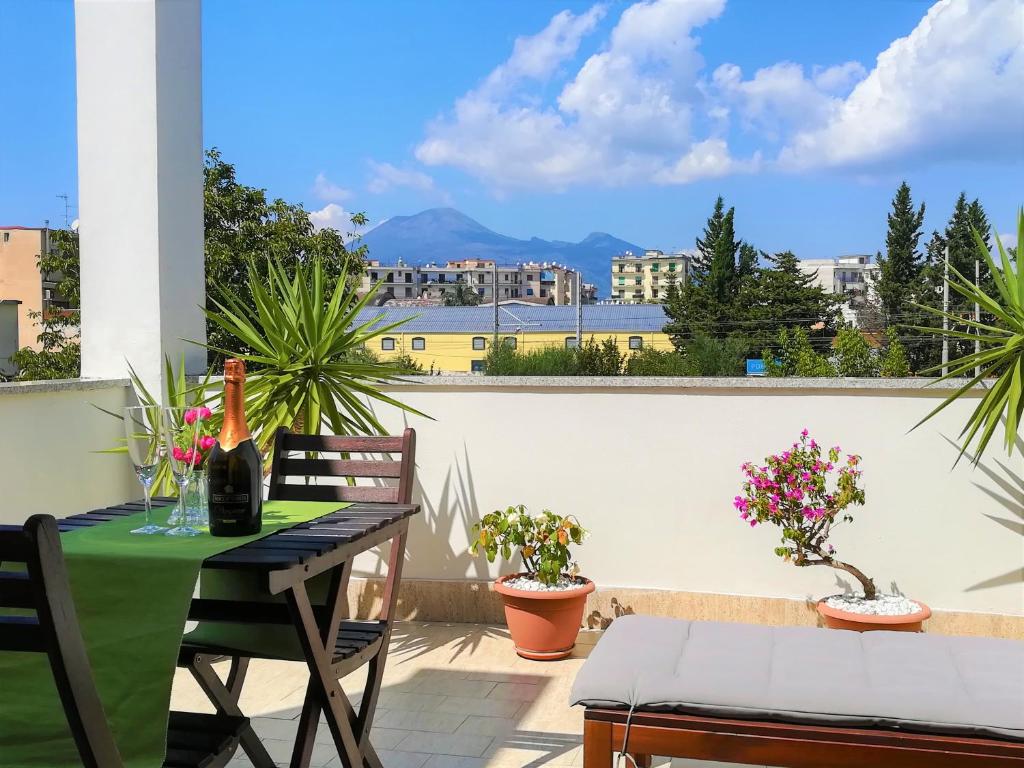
x=639, y=281
x=373, y=276
x=529, y=291
x=654, y=267
x=480, y=291
x=635, y=342
x=510, y=342
x=622, y=267
x=387, y=344
x=654, y=293
x=419, y=343
x=622, y=281
x=671, y=266
x=476, y=366
x=7, y=237
x=529, y=276
x=570, y=342
x=408, y=293
x=408, y=277
x=479, y=342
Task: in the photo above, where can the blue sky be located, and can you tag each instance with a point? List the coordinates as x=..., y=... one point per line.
x=556, y=119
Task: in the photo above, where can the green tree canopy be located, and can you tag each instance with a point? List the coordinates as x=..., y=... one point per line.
x=900, y=267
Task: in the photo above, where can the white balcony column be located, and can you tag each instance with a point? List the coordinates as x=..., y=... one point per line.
x=140, y=185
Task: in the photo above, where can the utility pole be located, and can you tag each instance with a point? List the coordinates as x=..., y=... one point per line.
x=494, y=296
x=977, y=316
x=945, y=315
x=579, y=310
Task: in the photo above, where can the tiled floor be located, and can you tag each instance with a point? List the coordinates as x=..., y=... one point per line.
x=454, y=696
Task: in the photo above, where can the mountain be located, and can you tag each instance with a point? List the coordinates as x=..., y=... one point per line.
x=445, y=234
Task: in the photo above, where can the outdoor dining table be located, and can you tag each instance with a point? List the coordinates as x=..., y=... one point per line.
x=281, y=594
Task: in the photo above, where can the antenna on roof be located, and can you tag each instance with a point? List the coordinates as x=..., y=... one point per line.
x=67, y=210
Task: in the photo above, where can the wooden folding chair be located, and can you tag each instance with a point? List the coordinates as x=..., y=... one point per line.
x=193, y=740
x=368, y=640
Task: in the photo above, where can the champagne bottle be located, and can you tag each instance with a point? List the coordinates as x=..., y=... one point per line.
x=235, y=467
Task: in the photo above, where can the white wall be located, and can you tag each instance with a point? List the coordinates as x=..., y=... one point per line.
x=49, y=437
x=652, y=473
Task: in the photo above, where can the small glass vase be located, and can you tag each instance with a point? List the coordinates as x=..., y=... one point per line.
x=197, y=505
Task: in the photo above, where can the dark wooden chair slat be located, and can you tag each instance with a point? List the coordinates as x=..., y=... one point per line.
x=340, y=468
x=336, y=444
x=16, y=590
x=21, y=633
x=278, y=543
x=14, y=546
x=295, y=492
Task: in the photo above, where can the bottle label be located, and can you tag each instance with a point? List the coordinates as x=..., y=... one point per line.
x=230, y=498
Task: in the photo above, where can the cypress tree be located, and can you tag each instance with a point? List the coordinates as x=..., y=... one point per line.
x=900, y=267
x=722, y=276
x=700, y=267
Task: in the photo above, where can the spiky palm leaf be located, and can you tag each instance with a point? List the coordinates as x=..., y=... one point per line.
x=1000, y=360
x=305, y=367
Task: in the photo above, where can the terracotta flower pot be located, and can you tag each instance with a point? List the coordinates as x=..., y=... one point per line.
x=543, y=625
x=836, y=618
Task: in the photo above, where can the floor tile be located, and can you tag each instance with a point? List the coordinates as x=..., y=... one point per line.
x=467, y=745
x=438, y=722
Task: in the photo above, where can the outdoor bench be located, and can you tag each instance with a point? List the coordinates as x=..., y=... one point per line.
x=800, y=697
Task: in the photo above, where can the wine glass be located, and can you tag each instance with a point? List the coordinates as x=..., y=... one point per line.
x=181, y=439
x=142, y=430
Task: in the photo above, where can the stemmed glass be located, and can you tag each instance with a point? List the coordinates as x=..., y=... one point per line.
x=181, y=439
x=142, y=430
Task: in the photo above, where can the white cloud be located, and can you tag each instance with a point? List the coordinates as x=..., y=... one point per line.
x=625, y=115
x=952, y=85
x=329, y=192
x=385, y=177
x=780, y=98
x=331, y=216
x=707, y=159
x=643, y=109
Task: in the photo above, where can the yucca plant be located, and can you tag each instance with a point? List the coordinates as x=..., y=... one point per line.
x=178, y=394
x=304, y=351
x=1000, y=360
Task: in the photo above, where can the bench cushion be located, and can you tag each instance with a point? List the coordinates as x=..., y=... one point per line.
x=924, y=683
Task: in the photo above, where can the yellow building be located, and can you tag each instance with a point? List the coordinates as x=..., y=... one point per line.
x=456, y=339
x=647, y=277
x=21, y=281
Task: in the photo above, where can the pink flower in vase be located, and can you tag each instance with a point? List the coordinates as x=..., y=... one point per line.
x=178, y=453
x=206, y=442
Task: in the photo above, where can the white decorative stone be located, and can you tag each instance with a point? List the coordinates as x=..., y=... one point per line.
x=527, y=584
x=882, y=605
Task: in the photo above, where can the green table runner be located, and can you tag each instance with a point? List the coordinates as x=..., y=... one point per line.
x=132, y=595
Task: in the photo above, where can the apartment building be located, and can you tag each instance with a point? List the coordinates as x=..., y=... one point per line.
x=844, y=275
x=21, y=281
x=637, y=279
x=540, y=283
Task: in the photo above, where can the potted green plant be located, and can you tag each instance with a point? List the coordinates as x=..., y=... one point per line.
x=807, y=492
x=544, y=604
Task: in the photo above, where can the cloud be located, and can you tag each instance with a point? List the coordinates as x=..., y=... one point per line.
x=708, y=159
x=645, y=109
x=385, y=177
x=328, y=191
x=623, y=117
x=953, y=85
x=331, y=216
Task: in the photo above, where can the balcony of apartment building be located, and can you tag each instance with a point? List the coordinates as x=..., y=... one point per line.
x=664, y=539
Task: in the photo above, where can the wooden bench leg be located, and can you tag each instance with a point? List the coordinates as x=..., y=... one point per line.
x=597, y=744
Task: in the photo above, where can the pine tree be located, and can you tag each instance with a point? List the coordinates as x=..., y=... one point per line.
x=782, y=295
x=700, y=267
x=747, y=263
x=722, y=276
x=894, y=363
x=900, y=268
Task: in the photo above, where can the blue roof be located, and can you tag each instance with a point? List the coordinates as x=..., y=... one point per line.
x=514, y=318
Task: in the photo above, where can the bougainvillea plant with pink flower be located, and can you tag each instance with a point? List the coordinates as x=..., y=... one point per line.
x=805, y=491
x=204, y=441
